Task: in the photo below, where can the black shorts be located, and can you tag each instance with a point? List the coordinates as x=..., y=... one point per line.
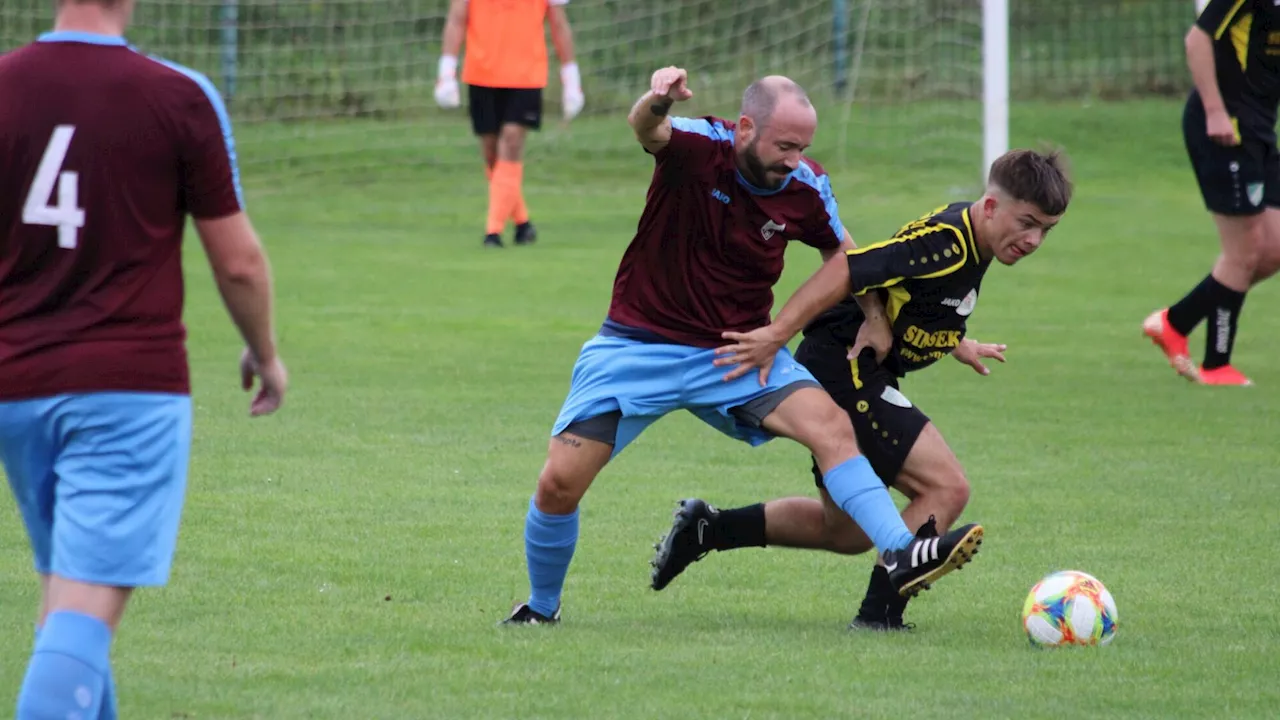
x=1239, y=180
x=491, y=108
x=885, y=423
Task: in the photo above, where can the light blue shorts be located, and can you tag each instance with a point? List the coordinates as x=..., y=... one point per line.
x=644, y=381
x=99, y=479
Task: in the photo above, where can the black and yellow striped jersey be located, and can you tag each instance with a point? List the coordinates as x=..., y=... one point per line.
x=928, y=275
x=1246, y=41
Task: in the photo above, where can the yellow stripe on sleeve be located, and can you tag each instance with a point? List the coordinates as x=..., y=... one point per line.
x=1226, y=21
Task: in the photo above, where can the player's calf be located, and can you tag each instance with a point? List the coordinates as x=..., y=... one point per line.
x=796, y=522
x=809, y=523
x=551, y=523
x=883, y=607
x=812, y=418
x=70, y=671
x=932, y=477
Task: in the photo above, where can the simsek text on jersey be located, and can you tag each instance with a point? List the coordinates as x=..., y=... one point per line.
x=929, y=275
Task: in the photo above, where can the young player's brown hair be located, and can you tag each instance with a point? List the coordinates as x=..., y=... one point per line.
x=1040, y=178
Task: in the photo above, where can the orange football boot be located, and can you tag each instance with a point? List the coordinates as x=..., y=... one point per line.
x=1171, y=342
x=1225, y=375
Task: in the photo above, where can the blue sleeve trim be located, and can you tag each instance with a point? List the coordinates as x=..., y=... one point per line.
x=822, y=185
x=224, y=120
x=701, y=126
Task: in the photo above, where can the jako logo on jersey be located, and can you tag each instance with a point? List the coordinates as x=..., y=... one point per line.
x=715, y=193
x=963, y=306
x=769, y=228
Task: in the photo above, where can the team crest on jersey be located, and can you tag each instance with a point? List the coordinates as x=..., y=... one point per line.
x=1255, y=193
x=768, y=229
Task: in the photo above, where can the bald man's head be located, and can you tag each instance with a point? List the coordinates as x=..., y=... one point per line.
x=764, y=96
x=777, y=124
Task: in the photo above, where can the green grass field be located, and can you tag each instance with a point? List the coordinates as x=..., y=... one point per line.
x=349, y=558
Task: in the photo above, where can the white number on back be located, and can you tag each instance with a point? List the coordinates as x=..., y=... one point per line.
x=67, y=216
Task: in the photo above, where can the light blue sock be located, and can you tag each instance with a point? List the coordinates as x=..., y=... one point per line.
x=858, y=490
x=108, y=711
x=68, y=669
x=549, y=541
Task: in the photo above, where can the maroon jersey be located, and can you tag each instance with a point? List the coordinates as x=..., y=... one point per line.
x=103, y=153
x=709, y=247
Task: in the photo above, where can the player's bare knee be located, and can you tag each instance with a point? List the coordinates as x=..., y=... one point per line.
x=1243, y=248
x=511, y=143
x=1268, y=261
x=489, y=149
x=572, y=464
x=830, y=435
x=105, y=602
x=949, y=493
x=560, y=488
x=955, y=494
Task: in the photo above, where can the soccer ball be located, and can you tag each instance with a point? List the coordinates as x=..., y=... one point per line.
x=1069, y=608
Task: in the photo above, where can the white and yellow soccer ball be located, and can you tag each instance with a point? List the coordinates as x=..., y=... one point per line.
x=1069, y=607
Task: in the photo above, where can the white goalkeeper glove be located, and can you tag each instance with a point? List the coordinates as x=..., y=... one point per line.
x=447, y=93
x=571, y=82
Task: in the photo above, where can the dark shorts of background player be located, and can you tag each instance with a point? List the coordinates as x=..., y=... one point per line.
x=491, y=108
x=886, y=432
x=1239, y=180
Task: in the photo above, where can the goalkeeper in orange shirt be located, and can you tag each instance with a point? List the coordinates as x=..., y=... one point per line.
x=505, y=71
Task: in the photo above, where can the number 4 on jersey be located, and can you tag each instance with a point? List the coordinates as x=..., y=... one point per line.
x=66, y=215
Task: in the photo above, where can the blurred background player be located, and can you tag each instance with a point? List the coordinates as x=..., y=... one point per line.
x=505, y=71
x=724, y=202
x=103, y=153
x=1228, y=124
x=928, y=275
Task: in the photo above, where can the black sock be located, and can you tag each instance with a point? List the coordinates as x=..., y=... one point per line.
x=879, y=594
x=739, y=527
x=1187, y=313
x=897, y=605
x=1224, y=313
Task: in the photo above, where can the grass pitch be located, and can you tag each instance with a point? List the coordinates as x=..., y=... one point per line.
x=350, y=557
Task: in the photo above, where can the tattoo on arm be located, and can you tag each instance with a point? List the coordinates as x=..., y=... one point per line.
x=660, y=107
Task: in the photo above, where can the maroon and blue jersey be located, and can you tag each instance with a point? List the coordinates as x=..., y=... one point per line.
x=709, y=246
x=104, y=152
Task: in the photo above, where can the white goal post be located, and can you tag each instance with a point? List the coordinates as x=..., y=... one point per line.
x=995, y=81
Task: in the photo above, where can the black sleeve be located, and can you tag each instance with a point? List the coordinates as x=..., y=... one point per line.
x=927, y=252
x=1219, y=14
